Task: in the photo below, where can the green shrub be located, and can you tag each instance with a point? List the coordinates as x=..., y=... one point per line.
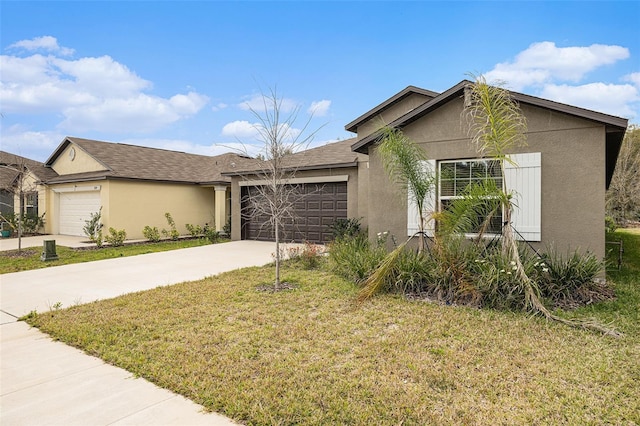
x=172, y=232
x=93, y=228
x=211, y=234
x=345, y=228
x=355, y=258
x=194, y=230
x=227, y=227
x=116, y=237
x=610, y=224
x=31, y=224
x=151, y=234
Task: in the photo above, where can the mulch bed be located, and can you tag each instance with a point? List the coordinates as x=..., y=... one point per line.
x=15, y=254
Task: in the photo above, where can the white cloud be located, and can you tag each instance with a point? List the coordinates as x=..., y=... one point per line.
x=246, y=132
x=241, y=129
x=614, y=99
x=142, y=113
x=29, y=143
x=260, y=103
x=544, y=62
x=319, y=108
x=219, y=107
x=101, y=76
x=559, y=73
x=90, y=93
x=47, y=43
x=633, y=78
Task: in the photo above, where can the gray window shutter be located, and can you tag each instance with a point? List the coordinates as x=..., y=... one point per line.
x=524, y=180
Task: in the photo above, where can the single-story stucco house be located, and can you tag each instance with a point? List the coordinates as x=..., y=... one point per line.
x=560, y=179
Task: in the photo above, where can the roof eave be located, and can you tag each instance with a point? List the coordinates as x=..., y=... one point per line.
x=295, y=169
x=612, y=123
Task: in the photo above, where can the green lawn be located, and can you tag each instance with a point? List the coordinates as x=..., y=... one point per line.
x=12, y=261
x=311, y=356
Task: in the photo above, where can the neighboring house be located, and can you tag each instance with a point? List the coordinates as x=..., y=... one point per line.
x=327, y=181
x=31, y=184
x=135, y=186
x=560, y=179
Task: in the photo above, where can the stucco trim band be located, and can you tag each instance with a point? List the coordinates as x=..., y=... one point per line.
x=294, y=181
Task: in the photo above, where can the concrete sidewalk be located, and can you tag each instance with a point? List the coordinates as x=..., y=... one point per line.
x=44, y=382
x=36, y=241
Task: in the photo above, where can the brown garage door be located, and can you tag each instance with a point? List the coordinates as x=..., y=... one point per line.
x=317, y=206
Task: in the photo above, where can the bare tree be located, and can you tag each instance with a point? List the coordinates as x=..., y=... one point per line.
x=273, y=196
x=623, y=196
x=17, y=182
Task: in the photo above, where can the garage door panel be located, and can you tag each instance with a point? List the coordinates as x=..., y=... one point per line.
x=75, y=209
x=320, y=206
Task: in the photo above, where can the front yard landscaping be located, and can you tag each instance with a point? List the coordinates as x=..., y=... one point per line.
x=312, y=355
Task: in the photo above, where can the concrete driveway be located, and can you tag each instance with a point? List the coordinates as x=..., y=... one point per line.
x=43, y=382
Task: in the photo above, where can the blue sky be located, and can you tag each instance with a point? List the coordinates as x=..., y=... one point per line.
x=179, y=75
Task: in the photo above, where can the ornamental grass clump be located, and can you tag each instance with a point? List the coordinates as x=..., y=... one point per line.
x=355, y=258
x=571, y=280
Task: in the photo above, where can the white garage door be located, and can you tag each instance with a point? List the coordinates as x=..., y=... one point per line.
x=75, y=209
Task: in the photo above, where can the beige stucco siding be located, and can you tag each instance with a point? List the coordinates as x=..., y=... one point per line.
x=131, y=205
x=573, y=174
x=81, y=162
x=352, y=194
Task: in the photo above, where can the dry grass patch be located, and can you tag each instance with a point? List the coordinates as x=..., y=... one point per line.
x=310, y=356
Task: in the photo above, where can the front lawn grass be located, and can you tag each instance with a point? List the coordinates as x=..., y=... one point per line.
x=12, y=261
x=311, y=356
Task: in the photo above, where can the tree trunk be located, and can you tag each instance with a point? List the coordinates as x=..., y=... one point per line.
x=276, y=285
x=20, y=209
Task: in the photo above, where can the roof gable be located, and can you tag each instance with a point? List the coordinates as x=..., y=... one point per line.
x=395, y=99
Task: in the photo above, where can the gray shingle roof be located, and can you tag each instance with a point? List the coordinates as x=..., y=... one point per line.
x=331, y=155
x=13, y=161
x=142, y=163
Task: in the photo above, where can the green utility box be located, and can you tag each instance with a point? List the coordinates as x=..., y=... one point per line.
x=49, y=250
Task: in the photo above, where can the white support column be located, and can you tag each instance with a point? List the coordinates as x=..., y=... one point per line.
x=220, y=206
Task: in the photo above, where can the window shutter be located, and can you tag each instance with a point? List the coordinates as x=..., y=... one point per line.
x=413, y=218
x=524, y=180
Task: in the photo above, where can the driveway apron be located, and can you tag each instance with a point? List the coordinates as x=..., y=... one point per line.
x=43, y=382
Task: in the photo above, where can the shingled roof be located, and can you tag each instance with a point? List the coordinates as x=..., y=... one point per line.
x=10, y=164
x=329, y=156
x=123, y=161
